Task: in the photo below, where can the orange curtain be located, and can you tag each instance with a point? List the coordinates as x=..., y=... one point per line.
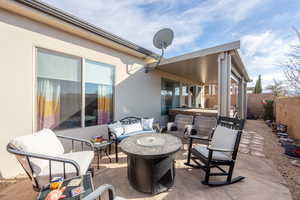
x=104, y=104
x=48, y=103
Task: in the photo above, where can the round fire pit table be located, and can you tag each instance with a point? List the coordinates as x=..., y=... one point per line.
x=150, y=159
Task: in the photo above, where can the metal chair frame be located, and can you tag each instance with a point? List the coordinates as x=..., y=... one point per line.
x=11, y=149
x=207, y=163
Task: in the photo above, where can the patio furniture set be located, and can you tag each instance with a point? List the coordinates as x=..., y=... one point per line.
x=150, y=153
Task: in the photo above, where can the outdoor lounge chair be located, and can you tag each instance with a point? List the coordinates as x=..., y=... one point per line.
x=43, y=157
x=221, y=151
x=181, y=125
x=204, y=127
x=126, y=127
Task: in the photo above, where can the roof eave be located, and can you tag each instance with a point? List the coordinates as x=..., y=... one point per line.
x=61, y=15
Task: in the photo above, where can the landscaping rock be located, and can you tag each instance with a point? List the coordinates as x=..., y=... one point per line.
x=297, y=180
x=296, y=163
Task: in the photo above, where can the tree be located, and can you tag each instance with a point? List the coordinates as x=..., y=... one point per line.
x=277, y=88
x=292, y=67
x=258, y=87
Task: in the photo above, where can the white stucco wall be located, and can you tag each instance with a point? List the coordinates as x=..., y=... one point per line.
x=136, y=93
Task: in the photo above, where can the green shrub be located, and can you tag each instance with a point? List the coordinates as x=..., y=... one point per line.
x=268, y=110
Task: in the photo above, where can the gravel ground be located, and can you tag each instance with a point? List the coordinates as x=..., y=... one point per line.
x=274, y=151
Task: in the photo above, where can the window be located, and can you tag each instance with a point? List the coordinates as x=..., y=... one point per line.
x=170, y=94
x=60, y=93
x=98, y=93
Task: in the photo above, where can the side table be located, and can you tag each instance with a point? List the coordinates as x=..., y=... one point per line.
x=102, y=146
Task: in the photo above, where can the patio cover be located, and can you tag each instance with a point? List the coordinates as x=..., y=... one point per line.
x=215, y=65
x=202, y=66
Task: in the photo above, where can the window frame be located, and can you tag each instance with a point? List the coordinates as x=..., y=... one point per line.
x=161, y=86
x=83, y=60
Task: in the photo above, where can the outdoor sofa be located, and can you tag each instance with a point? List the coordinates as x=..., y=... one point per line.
x=126, y=127
x=43, y=156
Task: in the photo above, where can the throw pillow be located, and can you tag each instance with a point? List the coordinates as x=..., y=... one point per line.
x=130, y=128
x=147, y=124
x=117, y=128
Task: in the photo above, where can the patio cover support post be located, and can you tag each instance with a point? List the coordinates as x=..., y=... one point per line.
x=224, y=81
x=197, y=97
x=180, y=95
x=245, y=99
x=190, y=96
x=241, y=99
x=202, y=96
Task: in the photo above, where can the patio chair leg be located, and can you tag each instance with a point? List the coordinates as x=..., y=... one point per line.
x=109, y=149
x=188, y=162
x=207, y=174
x=116, y=151
x=229, y=177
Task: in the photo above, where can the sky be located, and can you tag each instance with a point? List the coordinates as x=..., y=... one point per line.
x=264, y=27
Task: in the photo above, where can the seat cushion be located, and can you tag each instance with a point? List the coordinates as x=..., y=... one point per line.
x=83, y=158
x=123, y=136
x=42, y=142
x=224, y=138
x=202, y=149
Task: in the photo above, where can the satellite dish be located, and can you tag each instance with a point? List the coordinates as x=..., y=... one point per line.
x=163, y=38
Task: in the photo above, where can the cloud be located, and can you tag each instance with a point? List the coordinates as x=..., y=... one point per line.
x=264, y=53
x=138, y=20
x=265, y=50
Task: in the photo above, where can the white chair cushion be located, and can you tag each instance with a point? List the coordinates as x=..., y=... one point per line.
x=129, y=128
x=224, y=138
x=42, y=142
x=117, y=128
x=83, y=158
x=147, y=124
x=216, y=154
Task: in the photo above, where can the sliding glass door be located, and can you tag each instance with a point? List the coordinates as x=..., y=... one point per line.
x=170, y=95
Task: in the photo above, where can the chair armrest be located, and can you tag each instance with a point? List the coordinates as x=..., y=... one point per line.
x=112, y=135
x=100, y=190
x=218, y=149
x=83, y=141
x=45, y=157
x=188, y=130
x=170, y=125
x=156, y=127
x=164, y=129
x=189, y=127
x=199, y=138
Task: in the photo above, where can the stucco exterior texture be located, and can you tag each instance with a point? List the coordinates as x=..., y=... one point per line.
x=287, y=111
x=136, y=93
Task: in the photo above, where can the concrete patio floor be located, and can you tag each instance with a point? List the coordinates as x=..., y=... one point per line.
x=262, y=181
